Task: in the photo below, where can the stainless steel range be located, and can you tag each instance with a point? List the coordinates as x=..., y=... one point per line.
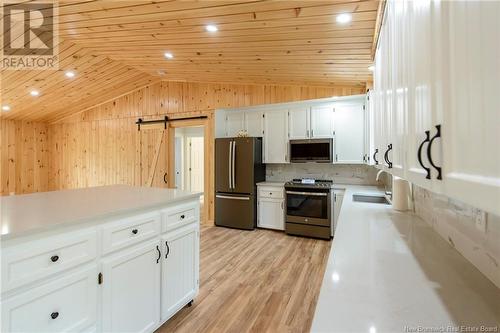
x=308, y=208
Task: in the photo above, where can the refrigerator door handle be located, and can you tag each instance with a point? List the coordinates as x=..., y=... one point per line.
x=233, y=171
x=230, y=163
x=232, y=198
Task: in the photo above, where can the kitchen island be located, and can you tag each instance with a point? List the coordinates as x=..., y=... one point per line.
x=389, y=271
x=111, y=258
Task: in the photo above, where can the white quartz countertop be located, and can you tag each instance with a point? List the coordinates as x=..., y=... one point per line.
x=271, y=183
x=29, y=213
x=391, y=272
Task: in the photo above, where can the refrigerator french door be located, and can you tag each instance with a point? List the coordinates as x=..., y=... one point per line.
x=238, y=167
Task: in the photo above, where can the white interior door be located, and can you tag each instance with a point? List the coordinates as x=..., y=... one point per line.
x=179, y=158
x=195, y=164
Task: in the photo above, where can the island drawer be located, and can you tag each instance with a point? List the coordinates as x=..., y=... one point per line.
x=179, y=216
x=271, y=192
x=31, y=261
x=125, y=232
x=66, y=304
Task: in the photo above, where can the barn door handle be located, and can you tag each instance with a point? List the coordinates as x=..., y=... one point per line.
x=419, y=155
x=165, y=178
x=386, y=155
x=375, y=156
x=429, y=152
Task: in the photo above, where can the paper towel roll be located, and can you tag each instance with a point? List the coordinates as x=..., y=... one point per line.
x=400, y=194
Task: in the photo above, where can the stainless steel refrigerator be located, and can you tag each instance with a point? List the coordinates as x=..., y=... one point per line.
x=238, y=168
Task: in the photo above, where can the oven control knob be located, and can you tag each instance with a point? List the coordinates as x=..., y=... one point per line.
x=306, y=220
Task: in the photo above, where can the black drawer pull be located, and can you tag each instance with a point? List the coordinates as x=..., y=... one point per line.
x=135, y=231
x=182, y=217
x=375, y=156
x=54, y=258
x=386, y=156
x=54, y=315
x=429, y=152
x=419, y=155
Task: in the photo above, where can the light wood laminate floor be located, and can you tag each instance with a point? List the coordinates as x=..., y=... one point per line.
x=254, y=281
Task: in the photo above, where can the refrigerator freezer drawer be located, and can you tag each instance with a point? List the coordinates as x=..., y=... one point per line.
x=235, y=211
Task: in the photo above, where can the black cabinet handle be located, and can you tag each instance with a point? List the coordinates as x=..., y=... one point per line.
x=165, y=178
x=54, y=258
x=168, y=249
x=182, y=217
x=375, y=156
x=159, y=254
x=386, y=155
x=419, y=155
x=135, y=231
x=429, y=152
x=54, y=315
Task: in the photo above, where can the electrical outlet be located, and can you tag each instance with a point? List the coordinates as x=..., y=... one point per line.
x=481, y=221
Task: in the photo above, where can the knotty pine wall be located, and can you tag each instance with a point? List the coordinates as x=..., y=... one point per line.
x=101, y=146
x=24, y=157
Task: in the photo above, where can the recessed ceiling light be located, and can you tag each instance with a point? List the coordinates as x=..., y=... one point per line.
x=371, y=68
x=5, y=108
x=344, y=18
x=34, y=93
x=69, y=74
x=211, y=28
x=169, y=55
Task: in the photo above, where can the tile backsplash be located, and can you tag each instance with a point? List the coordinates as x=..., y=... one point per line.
x=473, y=232
x=340, y=173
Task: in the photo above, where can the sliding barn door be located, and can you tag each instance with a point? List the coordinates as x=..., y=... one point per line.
x=153, y=151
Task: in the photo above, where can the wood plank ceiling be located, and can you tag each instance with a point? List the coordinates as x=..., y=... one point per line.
x=116, y=46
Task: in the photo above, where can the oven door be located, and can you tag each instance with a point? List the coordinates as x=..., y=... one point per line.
x=307, y=207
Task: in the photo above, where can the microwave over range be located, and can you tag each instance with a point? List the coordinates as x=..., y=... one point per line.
x=312, y=150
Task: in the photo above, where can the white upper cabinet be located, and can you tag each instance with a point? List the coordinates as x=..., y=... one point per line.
x=471, y=126
x=235, y=122
x=349, y=133
x=254, y=123
x=276, y=136
x=322, y=121
x=298, y=123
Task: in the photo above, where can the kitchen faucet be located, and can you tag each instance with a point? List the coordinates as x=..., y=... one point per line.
x=388, y=193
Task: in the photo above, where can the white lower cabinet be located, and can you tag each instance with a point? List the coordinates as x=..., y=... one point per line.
x=67, y=304
x=180, y=273
x=271, y=207
x=131, y=289
x=120, y=276
x=338, y=197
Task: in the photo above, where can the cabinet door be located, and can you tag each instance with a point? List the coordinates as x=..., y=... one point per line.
x=322, y=121
x=298, y=123
x=271, y=213
x=349, y=133
x=276, y=136
x=179, y=276
x=338, y=197
x=131, y=289
x=419, y=92
x=470, y=129
x=254, y=123
x=235, y=122
x=67, y=304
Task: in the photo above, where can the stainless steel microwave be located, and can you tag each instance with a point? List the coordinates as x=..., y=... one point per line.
x=312, y=150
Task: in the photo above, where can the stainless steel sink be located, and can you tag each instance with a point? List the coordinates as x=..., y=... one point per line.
x=370, y=198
